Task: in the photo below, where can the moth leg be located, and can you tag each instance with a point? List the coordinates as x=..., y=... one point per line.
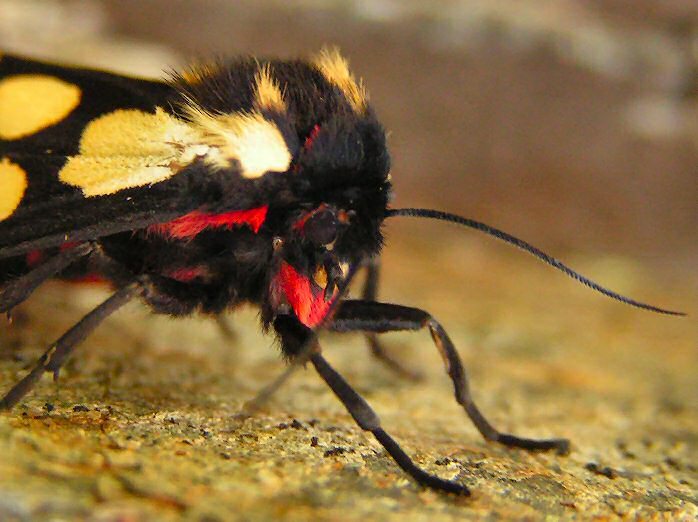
x=294, y=337
x=58, y=352
x=225, y=328
x=364, y=316
x=19, y=289
x=370, y=293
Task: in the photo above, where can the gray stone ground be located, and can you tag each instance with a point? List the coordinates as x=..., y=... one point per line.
x=144, y=424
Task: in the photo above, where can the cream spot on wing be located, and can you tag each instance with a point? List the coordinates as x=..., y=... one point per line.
x=254, y=142
x=32, y=102
x=13, y=183
x=130, y=148
x=268, y=95
x=335, y=69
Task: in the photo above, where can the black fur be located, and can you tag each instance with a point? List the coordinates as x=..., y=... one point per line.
x=344, y=168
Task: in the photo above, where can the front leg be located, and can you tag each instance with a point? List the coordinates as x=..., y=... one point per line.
x=295, y=338
x=367, y=316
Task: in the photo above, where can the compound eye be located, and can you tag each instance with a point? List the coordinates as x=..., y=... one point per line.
x=321, y=228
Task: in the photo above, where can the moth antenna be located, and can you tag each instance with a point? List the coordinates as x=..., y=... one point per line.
x=508, y=238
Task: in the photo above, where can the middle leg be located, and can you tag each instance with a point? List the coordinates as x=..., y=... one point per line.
x=370, y=293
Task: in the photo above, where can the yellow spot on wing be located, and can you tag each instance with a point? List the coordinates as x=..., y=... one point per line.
x=130, y=148
x=254, y=142
x=13, y=183
x=335, y=69
x=268, y=95
x=32, y=102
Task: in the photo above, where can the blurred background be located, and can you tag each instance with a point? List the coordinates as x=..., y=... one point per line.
x=571, y=123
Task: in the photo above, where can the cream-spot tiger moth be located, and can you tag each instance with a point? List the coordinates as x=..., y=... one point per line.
x=249, y=180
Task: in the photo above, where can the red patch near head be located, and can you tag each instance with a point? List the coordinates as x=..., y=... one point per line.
x=309, y=306
x=190, y=225
x=298, y=225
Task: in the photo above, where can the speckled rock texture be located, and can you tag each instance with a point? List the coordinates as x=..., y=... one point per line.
x=146, y=423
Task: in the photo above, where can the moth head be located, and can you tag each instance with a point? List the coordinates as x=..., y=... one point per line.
x=302, y=139
x=341, y=176
x=307, y=272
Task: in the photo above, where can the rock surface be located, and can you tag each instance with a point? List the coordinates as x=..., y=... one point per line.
x=145, y=422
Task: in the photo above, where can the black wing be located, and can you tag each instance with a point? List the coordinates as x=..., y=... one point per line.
x=44, y=111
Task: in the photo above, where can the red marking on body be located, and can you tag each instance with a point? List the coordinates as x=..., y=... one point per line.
x=187, y=273
x=298, y=225
x=33, y=258
x=90, y=278
x=36, y=257
x=311, y=137
x=190, y=225
x=308, y=304
x=68, y=245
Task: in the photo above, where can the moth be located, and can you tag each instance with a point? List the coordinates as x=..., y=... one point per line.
x=243, y=181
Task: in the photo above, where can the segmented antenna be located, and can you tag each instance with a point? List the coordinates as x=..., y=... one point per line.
x=508, y=238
